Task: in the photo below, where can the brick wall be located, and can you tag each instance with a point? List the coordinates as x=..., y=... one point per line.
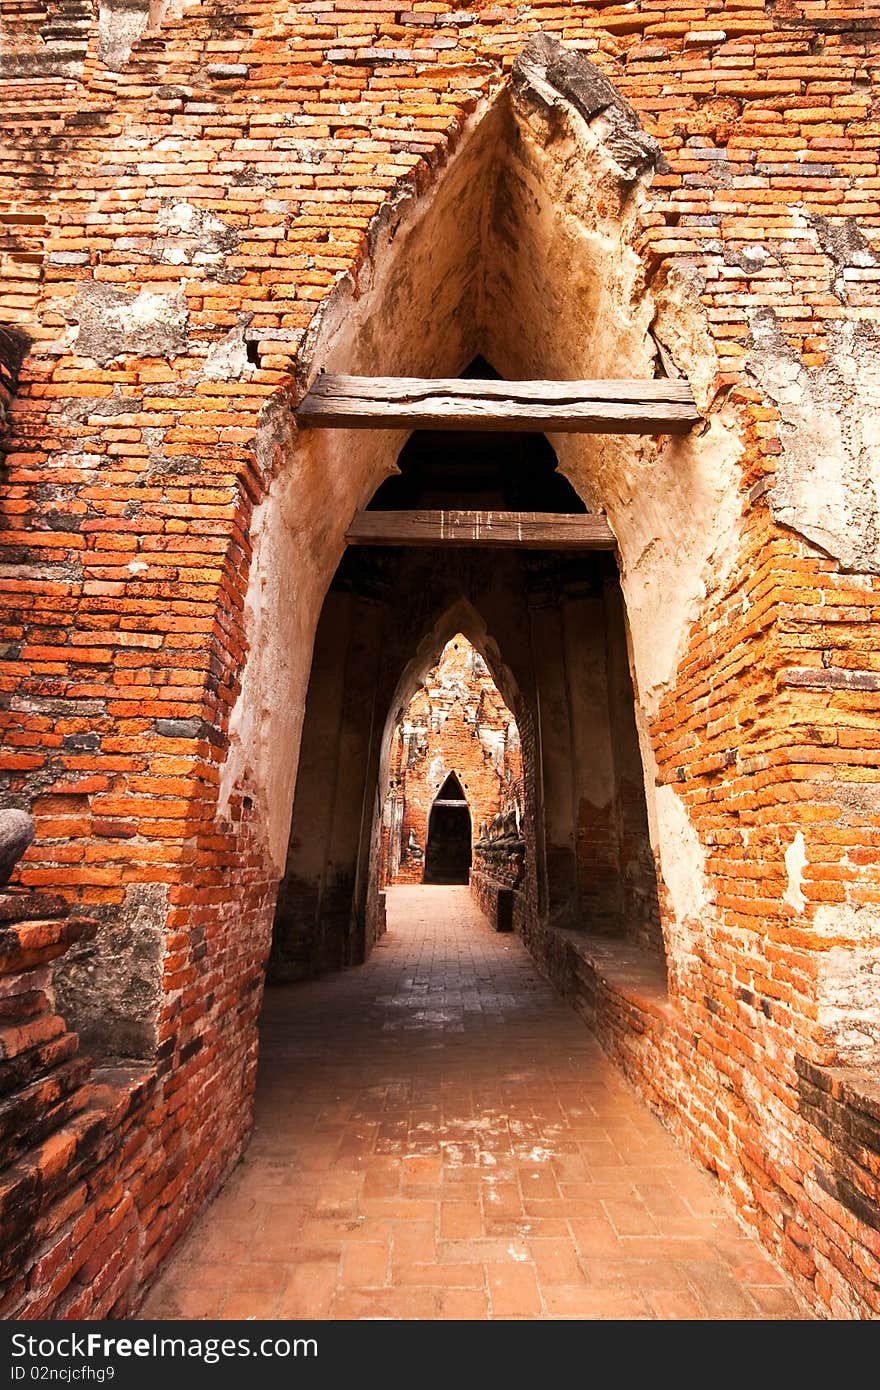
x=172, y=225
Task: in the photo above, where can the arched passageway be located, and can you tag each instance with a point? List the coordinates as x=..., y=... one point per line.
x=532, y=249
x=550, y=626
x=457, y=746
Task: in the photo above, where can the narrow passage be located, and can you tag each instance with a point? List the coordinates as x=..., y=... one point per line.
x=439, y=1136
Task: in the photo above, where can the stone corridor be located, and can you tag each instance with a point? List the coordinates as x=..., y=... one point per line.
x=438, y=1136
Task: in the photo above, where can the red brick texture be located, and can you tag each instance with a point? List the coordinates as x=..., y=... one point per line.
x=234, y=165
x=73, y=1186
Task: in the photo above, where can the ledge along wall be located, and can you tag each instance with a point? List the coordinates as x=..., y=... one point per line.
x=199, y=215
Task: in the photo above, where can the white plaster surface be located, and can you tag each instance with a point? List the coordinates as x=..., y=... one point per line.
x=849, y=1001
x=828, y=475
x=795, y=863
x=682, y=858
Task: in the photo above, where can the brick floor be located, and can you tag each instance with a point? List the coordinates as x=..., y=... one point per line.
x=438, y=1136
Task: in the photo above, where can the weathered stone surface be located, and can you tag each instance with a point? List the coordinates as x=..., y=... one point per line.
x=548, y=71
x=17, y=830
x=113, y=985
x=120, y=25
x=828, y=475
x=180, y=728
x=114, y=323
x=844, y=240
x=226, y=71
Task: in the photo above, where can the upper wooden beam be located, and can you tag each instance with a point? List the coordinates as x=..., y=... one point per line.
x=522, y=530
x=660, y=406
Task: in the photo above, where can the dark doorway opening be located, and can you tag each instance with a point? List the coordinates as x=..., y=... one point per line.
x=449, y=849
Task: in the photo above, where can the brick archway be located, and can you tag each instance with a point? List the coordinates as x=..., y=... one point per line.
x=165, y=619
x=687, y=543
x=560, y=189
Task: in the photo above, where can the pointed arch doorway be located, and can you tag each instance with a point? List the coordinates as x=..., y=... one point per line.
x=516, y=498
x=448, y=852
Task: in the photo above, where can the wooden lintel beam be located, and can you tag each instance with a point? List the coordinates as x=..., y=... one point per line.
x=658, y=406
x=520, y=530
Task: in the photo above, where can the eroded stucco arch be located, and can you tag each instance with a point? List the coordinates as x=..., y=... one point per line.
x=522, y=249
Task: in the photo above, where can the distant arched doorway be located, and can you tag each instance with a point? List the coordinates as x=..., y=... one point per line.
x=450, y=836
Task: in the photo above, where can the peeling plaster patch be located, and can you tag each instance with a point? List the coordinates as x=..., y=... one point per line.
x=683, y=516
x=680, y=327
x=795, y=863
x=555, y=78
x=828, y=475
x=854, y=923
x=228, y=359
x=113, y=323
x=682, y=520
x=120, y=25
x=266, y=722
x=845, y=243
x=190, y=235
x=750, y=259
x=682, y=858
x=848, y=986
x=297, y=534
x=102, y=408
x=111, y=988
x=849, y=1002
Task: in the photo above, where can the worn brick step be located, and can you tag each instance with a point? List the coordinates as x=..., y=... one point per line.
x=20, y=1070
x=18, y=1008
x=52, y=1167
x=16, y=1040
x=29, y=906
x=33, y=1112
x=121, y=1091
x=54, y=1118
x=26, y=944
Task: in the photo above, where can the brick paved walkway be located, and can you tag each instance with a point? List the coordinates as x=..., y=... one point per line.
x=437, y=1135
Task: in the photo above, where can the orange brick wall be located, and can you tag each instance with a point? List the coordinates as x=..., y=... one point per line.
x=131, y=481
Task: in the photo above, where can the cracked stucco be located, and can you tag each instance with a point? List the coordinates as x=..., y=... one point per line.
x=828, y=473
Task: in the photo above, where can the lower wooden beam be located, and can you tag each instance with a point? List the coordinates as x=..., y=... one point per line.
x=520, y=530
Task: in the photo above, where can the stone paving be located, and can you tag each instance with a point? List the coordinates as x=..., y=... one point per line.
x=438, y=1136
